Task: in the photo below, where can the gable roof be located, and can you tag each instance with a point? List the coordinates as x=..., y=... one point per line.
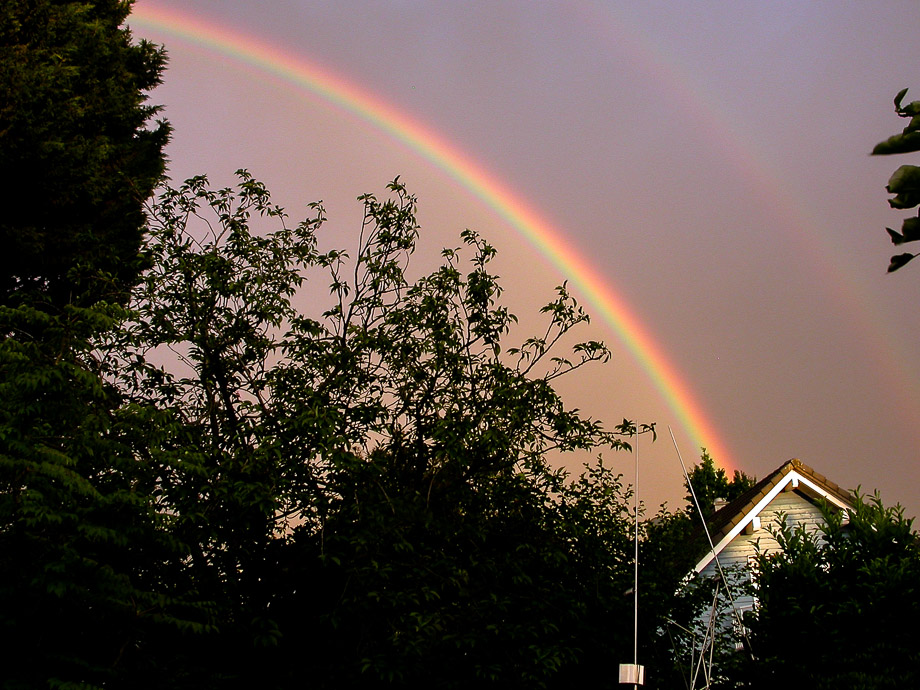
x=729, y=521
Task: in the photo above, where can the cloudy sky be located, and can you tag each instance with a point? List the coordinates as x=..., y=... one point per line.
x=702, y=167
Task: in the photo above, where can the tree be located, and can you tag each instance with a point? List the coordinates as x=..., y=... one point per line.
x=670, y=600
x=710, y=484
x=82, y=582
x=84, y=578
x=905, y=182
x=367, y=486
x=78, y=157
x=838, y=608
x=199, y=479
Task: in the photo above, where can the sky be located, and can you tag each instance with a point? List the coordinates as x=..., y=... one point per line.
x=697, y=172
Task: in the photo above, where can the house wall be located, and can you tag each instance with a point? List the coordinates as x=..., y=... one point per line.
x=736, y=557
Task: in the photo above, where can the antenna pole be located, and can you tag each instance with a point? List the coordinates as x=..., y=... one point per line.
x=634, y=674
x=636, y=559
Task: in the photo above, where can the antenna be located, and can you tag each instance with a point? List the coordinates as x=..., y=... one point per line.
x=634, y=674
x=725, y=581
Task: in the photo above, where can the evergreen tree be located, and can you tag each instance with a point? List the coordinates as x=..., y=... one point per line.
x=81, y=583
x=710, y=483
x=78, y=157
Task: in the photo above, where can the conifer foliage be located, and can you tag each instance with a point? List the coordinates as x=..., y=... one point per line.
x=79, y=155
x=80, y=582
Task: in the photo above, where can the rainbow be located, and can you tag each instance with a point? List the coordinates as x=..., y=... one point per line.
x=596, y=289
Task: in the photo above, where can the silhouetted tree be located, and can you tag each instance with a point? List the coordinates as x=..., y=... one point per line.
x=364, y=492
x=710, y=483
x=839, y=607
x=78, y=156
x=82, y=583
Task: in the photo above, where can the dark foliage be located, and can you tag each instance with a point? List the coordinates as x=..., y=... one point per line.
x=364, y=492
x=905, y=182
x=710, y=483
x=838, y=608
x=78, y=160
x=83, y=583
x=215, y=475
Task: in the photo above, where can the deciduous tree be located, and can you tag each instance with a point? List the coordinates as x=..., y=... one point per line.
x=368, y=484
x=838, y=607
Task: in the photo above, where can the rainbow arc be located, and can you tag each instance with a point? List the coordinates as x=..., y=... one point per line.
x=597, y=290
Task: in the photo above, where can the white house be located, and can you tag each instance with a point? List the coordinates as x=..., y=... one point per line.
x=792, y=493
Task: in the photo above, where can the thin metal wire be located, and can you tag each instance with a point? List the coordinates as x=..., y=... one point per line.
x=728, y=587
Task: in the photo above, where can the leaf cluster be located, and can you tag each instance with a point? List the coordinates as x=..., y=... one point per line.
x=905, y=181
x=368, y=478
x=79, y=158
x=838, y=607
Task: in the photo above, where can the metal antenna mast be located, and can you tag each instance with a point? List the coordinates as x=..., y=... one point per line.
x=634, y=674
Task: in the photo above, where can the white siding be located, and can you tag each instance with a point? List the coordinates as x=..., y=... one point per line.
x=737, y=555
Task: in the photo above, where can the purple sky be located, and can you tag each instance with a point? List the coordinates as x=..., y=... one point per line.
x=710, y=158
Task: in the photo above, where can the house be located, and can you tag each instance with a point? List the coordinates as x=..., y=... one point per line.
x=792, y=493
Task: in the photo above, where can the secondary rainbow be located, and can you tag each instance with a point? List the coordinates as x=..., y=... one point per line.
x=597, y=290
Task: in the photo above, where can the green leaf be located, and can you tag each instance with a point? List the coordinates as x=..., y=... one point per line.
x=896, y=237
x=899, y=260
x=899, y=143
x=905, y=183
x=910, y=229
